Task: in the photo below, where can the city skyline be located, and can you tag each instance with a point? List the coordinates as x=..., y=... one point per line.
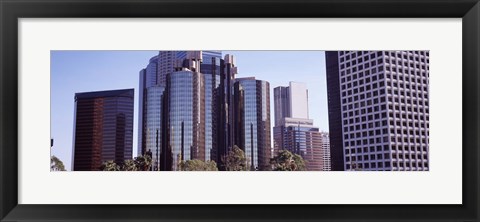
x=202, y=112
x=311, y=61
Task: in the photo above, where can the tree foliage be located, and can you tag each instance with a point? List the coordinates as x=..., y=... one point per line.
x=56, y=164
x=139, y=163
x=235, y=160
x=198, y=165
x=110, y=166
x=129, y=165
x=287, y=161
x=143, y=163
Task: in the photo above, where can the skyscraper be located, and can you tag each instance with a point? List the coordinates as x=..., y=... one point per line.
x=334, y=112
x=166, y=64
x=298, y=100
x=210, y=80
x=148, y=77
x=155, y=75
x=225, y=117
x=252, y=121
x=153, y=121
x=103, y=128
x=210, y=68
x=281, y=99
x=184, y=114
x=327, y=165
x=294, y=131
x=380, y=99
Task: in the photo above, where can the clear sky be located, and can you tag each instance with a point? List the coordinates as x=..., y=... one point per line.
x=84, y=71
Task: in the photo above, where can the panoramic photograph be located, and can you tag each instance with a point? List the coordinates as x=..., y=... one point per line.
x=243, y=110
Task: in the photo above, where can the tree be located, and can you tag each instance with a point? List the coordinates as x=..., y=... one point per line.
x=198, y=165
x=143, y=163
x=109, y=166
x=56, y=164
x=287, y=161
x=235, y=160
x=129, y=165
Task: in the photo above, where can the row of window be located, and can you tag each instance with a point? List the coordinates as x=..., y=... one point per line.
x=386, y=156
x=362, y=128
x=394, y=148
x=411, y=55
x=359, y=166
x=383, y=132
x=347, y=55
x=361, y=70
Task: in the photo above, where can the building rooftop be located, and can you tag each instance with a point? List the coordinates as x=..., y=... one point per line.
x=107, y=93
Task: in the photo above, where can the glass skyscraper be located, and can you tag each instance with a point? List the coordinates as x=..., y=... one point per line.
x=103, y=128
x=252, y=121
x=148, y=77
x=155, y=75
x=282, y=103
x=197, y=111
x=153, y=120
x=210, y=68
x=185, y=134
x=225, y=117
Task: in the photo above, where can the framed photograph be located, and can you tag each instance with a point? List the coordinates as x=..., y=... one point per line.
x=226, y=110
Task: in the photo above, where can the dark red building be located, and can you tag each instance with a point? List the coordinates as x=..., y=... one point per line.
x=103, y=128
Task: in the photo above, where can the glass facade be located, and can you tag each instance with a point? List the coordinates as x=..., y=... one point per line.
x=225, y=117
x=282, y=104
x=185, y=114
x=252, y=121
x=148, y=77
x=210, y=68
x=103, y=128
x=153, y=120
x=154, y=76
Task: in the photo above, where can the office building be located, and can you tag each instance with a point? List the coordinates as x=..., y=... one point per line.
x=103, y=128
x=252, y=121
x=184, y=114
x=281, y=99
x=210, y=68
x=148, y=77
x=380, y=99
x=334, y=112
x=155, y=74
x=299, y=136
x=293, y=129
x=153, y=120
x=225, y=116
x=327, y=165
x=298, y=96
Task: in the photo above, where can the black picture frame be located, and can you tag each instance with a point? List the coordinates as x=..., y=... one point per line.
x=12, y=10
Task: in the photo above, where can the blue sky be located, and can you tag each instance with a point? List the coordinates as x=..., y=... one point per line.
x=83, y=71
